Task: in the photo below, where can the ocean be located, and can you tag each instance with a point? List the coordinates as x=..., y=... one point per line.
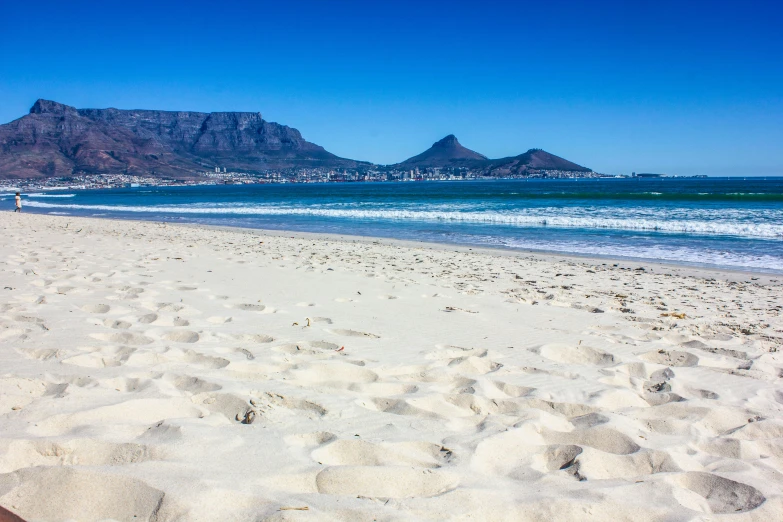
x=727, y=223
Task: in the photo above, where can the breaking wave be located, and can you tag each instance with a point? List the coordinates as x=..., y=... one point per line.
x=691, y=256
x=39, y=195
x=680, y=221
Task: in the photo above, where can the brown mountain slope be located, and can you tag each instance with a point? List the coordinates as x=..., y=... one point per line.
x=59, y=140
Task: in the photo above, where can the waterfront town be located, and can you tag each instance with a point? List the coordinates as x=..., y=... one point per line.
x=222, y=176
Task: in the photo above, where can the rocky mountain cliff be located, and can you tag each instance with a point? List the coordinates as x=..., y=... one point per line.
x=448, y=152
x=59, y=140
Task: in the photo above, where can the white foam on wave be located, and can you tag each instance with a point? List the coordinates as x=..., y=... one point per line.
x=39, y=195
x=726, y=223
x=700, y=257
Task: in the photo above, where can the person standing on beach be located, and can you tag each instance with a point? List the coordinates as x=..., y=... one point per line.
x=18, y=203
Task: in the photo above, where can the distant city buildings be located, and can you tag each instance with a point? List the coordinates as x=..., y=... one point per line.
x=222, y=176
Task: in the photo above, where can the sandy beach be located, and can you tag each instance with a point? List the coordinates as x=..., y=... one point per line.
x=151, y=371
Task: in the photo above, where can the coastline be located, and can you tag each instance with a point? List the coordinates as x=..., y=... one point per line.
x=184, y=371
x=682, y=268
x=621, y=263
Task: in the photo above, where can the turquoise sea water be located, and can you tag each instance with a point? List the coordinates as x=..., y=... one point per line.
x=734, y=223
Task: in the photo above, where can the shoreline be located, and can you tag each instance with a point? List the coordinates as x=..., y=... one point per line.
x=733, y=274
x=620, y=263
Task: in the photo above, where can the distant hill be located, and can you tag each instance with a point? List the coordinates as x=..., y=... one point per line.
x=59, y=140
x=447, y=152
x=534, y=159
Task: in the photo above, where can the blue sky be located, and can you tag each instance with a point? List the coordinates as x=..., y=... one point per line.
x=676, y=87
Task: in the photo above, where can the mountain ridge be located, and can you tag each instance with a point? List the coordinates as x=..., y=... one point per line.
x=55, y=139
x=448, y=152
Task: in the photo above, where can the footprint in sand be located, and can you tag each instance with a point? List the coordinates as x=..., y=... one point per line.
x=181, y=336
x=82, y=452
x=309, y=348
x=556, y=457
x=601, y=438
x=124, y=338
x=341, y=374
x=513, y=390
x=148, y=318
x=387, y=482
x=191, y=384
x=250, y=307
x=708, y=493
x=253, y=338
x=27, y=319
x=10, y=333
x=273, y=400
x=398, y=407
x=310, y=439
x=599, y=465
x=219, y=319
x=299, y=348
x=353, y=452
x=117, y=325
x=106, y=357
x=566, y=409
x=169, y=307
x=454, y=352
x=383, y=389
x=670, y=358
x=352, y=333
x=247, y=353
x=131, y=384
x=19, y=392
x=122, y=498
x=474, y=365
x=207, y=361
x=43, y=354
x=233, y=407
x=323, y=345
x=579, y=354
x=96, y=308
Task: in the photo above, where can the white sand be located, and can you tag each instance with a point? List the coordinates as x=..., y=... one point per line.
x=159, y=372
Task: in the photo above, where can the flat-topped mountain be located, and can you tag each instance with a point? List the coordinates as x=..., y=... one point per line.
x=447, y=152
x=59, y=140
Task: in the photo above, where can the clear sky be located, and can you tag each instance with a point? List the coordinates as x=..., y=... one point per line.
x=676, y=87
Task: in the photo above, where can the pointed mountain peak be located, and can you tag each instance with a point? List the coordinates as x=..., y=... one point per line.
x=443, y=153
x=42, y=106
x=448, y=141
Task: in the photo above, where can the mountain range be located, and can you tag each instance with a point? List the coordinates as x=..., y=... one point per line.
x=448, y=152
x=59, y=140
